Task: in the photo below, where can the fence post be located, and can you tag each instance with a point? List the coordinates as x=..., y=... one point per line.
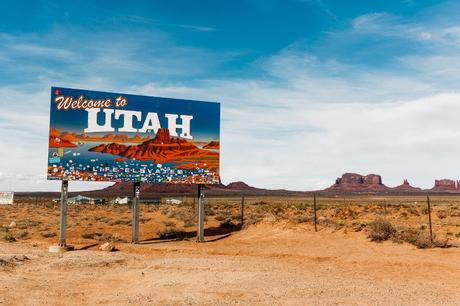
x=242, y=210
x=314, y=209
x=429, y=218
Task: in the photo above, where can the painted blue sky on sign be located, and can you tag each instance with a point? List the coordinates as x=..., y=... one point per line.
x=372, y=84
x=205, y=125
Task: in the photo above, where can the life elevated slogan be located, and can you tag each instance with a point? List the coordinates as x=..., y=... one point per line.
x=99, y=136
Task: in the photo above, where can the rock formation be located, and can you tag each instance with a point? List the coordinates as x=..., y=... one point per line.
x=161, y=149
x=446, y=185
x=240, y=186
x=57, y=141
x=355, y=182
x=212, y=145
x=406, y=187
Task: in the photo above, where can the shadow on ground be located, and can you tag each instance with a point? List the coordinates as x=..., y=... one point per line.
x=212, y=233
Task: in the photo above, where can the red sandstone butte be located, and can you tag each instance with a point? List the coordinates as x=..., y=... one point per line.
x=350, y=182
x=163, y=148
x=212, y=145
x=446, y=185
x=56, y=141
x=406, y=187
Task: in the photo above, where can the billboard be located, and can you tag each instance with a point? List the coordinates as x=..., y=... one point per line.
x=6, y=197
x=103, y=136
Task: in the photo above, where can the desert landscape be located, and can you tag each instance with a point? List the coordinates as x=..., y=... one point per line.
x=282, y=152
x=369, y=249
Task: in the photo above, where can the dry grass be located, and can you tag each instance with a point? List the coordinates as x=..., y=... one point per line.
x=406, y=214
x=380, y=230
x=172, y=232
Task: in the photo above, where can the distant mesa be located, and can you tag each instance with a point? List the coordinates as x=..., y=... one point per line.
x=406, y=187
x=446, y=185
x=347, y=183
x=240, y=186
x=163, y=148
x=235, y=188
x=213, y=145
x=70, y=137
x=353, y=182
x=357, y=182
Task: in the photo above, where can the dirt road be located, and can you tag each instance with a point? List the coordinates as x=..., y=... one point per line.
x=276, y=264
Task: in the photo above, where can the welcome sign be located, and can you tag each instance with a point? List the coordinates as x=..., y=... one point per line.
x=102, y=136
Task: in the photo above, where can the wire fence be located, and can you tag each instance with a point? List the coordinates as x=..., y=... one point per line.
x=404, y=218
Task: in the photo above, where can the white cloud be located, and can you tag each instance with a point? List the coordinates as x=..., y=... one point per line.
x=443, y=34
x=197, y=28
x=315, y=119
x=298, y=125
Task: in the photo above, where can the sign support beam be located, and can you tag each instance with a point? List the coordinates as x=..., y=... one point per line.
x=200, y=221
x=135, y=208
x=62, y=245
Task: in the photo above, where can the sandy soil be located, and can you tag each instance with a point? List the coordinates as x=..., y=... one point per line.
x=276, y=263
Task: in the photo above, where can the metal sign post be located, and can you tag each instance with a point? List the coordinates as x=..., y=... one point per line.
x=62, y=246
x=200, y=221
x=135, y=218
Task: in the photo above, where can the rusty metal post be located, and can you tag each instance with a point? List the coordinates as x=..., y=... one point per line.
x=314, y=209
x=429, y=218
x=242, y=210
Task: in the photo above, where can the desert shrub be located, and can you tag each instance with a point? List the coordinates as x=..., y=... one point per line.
x=24, y=224
x=170, y=223
x=419, y=238
x=145, y=219
x=253, y=218
x=47, y=234
x=441, y=214
x=358, y=226
x=227, y=224
x=189, y=223
x=106, y=237
x=23, y=235
x=414, y=211
x=178, y=214
x=220, y=217
x=152, y=208
x=171, y=232
x=301, y=219
x=380, y=230
x=120, y=221
x=102, y=219
x=8, y=237
x=89, y=235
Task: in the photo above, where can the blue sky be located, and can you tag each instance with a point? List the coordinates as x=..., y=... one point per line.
x=309, y=89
